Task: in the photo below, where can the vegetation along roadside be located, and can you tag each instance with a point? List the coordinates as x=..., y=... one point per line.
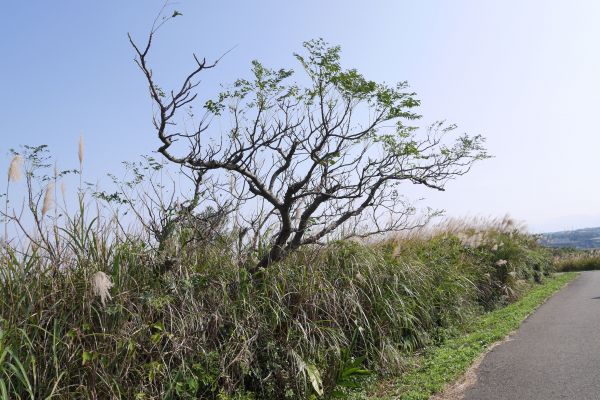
x=258, y=264
x=440, y=365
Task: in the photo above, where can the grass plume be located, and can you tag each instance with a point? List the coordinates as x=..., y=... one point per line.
x=48, y=199
x=15, y=174
x=15, y=170
x=101, y=285
x=80, y=152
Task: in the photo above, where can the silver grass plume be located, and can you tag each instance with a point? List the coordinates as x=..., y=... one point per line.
x=14, y=174
x=48, y=199
x=15, y=169
x=101, y=285
x=80, y=152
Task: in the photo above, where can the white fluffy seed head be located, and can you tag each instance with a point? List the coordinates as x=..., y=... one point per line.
x=63, y=189
x=80, y=151
x=48, y=199
x=101, y=285
x=15, y=169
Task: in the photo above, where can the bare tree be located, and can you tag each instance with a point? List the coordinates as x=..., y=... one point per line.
x=161, y=204
x=314, y=159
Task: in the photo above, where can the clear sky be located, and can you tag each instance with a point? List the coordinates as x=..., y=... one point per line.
x=526, y=74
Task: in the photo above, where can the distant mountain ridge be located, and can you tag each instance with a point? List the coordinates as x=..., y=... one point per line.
x=587, y=238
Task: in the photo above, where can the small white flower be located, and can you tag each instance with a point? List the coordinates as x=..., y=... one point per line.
x=101, y=285
x=501, y=262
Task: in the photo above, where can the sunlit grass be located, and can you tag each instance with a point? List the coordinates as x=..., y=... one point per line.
x=441, y=365
x=576, y=260
x=168, y=310
x=120, y=319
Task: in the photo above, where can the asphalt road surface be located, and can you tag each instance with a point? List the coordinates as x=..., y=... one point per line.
x=555, y=354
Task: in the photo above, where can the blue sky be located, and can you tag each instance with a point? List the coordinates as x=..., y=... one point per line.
x=524, y=74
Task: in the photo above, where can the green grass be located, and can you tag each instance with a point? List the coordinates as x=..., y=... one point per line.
x=314, y=326
x=579, y=263
x=443, y=364
x=568, y=259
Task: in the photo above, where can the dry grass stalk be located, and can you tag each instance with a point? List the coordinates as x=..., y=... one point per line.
x=80, y=155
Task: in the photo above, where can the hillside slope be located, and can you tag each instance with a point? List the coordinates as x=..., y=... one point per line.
x=588, y=238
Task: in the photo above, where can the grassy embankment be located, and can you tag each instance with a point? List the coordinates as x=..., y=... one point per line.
x=186, y=321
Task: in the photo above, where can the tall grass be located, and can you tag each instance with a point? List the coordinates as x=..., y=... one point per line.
x=576, y=260
x=90, y=312
x=201, y=328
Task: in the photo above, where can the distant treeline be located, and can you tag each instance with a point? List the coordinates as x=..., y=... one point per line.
x=588, y=238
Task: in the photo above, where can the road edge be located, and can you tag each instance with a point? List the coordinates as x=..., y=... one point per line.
x=444, y=366
x=456, y=390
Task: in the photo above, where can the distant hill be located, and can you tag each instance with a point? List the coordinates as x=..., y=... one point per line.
x=588, y=238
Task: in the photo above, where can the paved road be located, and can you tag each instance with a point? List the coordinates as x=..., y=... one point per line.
x=555, y=354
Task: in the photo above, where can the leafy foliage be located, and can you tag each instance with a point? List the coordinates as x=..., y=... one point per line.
x=314, y=158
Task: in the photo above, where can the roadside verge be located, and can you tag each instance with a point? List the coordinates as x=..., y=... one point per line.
x=442, y=365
